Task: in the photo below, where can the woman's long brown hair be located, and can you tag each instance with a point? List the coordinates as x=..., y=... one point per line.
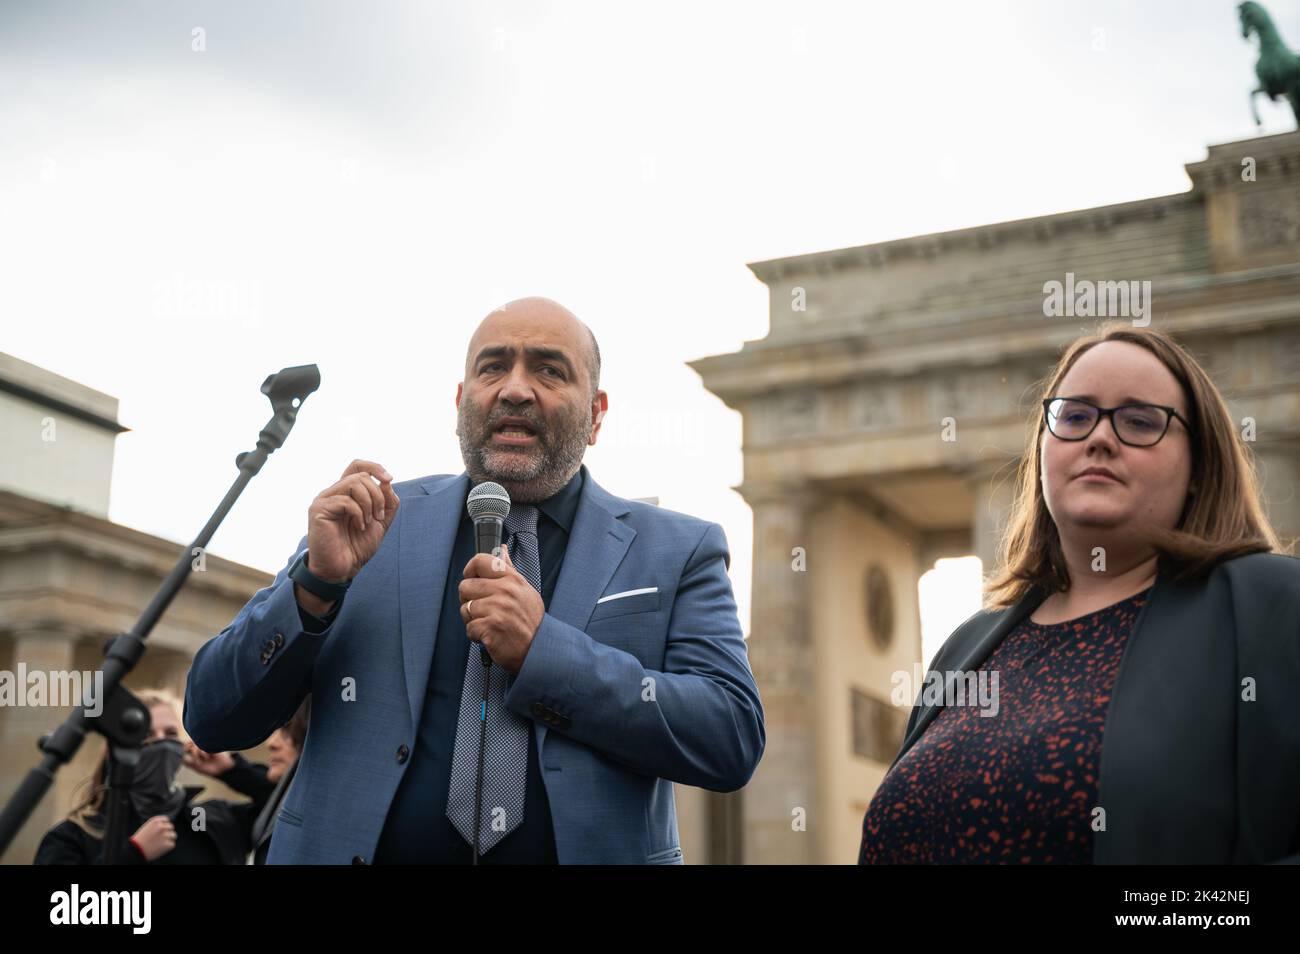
x=1224, y=516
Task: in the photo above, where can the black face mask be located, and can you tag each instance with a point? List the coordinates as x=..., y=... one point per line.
x=154, y=791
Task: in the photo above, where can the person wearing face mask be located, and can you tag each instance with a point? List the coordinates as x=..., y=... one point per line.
x=1141, y=636
x=167, y=827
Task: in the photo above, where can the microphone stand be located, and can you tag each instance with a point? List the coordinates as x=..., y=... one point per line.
x=124, y=721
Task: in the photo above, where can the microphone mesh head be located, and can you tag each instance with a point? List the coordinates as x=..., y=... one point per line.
x=488, y=499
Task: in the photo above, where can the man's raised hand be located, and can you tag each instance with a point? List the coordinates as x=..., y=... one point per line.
x=347, y=521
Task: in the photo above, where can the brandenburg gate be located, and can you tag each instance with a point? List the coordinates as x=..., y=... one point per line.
x=885, y=412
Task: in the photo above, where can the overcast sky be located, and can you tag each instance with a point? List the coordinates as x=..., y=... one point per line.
x=356, y=185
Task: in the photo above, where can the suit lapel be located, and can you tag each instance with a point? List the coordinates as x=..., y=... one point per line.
x=596, y=547
x=426, y=531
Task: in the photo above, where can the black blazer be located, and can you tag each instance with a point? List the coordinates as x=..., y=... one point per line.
x=1191, y=773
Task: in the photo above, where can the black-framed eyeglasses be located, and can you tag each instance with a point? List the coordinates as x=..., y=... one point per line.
x=1138, y=425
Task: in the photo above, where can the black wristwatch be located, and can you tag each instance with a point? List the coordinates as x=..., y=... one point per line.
x=313, y=584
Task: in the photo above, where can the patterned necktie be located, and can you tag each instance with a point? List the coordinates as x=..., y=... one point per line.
x=505, y=761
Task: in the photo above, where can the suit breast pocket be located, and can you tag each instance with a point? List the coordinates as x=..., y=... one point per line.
x=643, y=600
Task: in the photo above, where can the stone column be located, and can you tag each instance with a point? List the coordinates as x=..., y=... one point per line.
x=784, y=787
x=22, y=725
x=169, y=670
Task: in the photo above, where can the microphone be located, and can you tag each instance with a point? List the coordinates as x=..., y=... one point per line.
x=488, y=505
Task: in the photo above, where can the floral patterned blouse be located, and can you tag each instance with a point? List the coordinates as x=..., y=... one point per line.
x=1018, y=786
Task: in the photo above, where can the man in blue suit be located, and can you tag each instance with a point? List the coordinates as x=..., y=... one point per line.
x=609, y=660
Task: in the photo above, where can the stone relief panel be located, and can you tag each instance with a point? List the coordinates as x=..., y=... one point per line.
x=868, y=407
x=879, y=602
x=1268, y=219
x=878, y=727
x=787, y=415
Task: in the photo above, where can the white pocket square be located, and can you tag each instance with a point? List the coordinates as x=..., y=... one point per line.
x=619, y=596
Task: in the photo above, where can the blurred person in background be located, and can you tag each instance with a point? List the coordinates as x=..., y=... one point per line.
x=285, y=746
x=162, y=817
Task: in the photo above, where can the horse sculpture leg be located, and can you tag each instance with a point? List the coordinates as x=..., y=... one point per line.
x=1254, y=110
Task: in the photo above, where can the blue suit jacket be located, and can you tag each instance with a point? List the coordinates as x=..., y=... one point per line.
x=637, y=677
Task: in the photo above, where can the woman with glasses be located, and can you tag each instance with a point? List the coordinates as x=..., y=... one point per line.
x=1141, y=638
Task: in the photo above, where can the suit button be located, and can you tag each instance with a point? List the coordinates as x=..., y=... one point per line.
x=279, y=639
x=358, y=860
x=539, y=710
x=402, y=753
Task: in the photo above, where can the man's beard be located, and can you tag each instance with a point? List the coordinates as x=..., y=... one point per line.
x=529, y=474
